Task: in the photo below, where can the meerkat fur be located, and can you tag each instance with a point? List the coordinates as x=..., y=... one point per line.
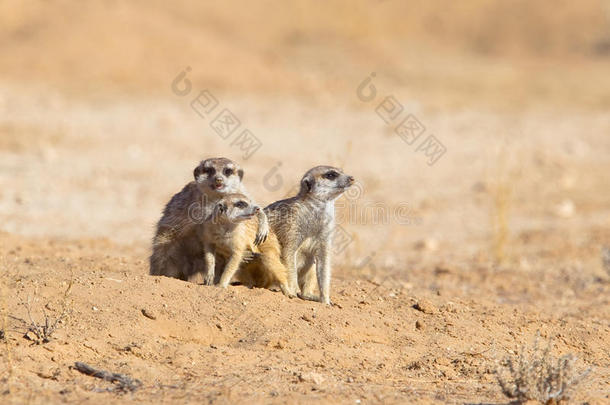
x=304, y=225
x=177, y=249
x=229, y=234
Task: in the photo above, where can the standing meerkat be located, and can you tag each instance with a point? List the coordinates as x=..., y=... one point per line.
x=229, y=234
x=304, y=225
x=177, y=249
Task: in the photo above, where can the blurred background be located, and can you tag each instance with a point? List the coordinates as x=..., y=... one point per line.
x=94, y=140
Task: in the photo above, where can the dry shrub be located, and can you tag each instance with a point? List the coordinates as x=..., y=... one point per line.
x=42, y=331
x=539, y=376
x=4, y=339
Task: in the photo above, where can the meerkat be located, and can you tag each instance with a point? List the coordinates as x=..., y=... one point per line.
x=304, y=225
x=177, y=249
x=229, y=234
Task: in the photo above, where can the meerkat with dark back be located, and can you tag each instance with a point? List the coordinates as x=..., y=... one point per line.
x=177, y=249
x=304, y=225
x=229, y=234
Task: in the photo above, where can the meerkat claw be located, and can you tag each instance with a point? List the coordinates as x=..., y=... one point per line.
x=263, y=229
x=260, y=238
x=208, y=280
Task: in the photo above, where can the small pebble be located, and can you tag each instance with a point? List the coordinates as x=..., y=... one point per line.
x=425, y=306
x=311, y=377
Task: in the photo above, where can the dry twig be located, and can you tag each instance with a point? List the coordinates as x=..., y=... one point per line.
x=123, y=383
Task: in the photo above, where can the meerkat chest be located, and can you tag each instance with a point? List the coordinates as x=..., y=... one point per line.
x=309, y=246
x=317, y=221
x=221, y=240
x=317, y=233
x=241, y=237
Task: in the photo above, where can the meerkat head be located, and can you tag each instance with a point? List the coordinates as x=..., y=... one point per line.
x=325, y=183
x=220, y=175
x=234, y=208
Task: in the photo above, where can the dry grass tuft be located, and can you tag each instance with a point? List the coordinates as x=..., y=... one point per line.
x=500, y=192
x=42, y=332
x=538, y=376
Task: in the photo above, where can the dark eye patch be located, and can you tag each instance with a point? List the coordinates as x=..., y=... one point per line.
x=228, y=171
x=209, y=171
x=241, y=204
x=331, y=175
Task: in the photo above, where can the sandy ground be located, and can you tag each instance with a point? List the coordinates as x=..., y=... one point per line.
x=86, y=205
x=444, y=269
x=255, y=346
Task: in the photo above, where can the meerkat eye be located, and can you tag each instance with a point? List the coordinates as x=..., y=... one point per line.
x=241, y=204
x=331, y=175
x=228, y=172
x=209, y=171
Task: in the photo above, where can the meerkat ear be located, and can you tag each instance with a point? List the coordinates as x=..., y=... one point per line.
x=240, y=173
x=307, y=183
x=198, y=170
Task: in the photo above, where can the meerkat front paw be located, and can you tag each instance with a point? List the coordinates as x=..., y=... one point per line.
x=261, y=233
x=208, y=279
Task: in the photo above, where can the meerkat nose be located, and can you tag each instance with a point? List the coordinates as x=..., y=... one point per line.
x=218, y=180
x=257, y=209
x=351, y=179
